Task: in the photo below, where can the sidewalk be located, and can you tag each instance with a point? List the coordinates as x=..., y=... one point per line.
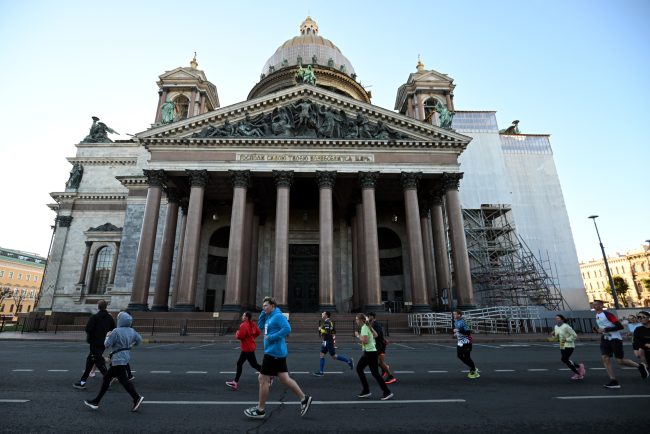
x=394, y=338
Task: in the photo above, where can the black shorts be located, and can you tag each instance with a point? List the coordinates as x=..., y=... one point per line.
x=381, y=347
x=272, y=366
x=328, y=347
x=611, y=346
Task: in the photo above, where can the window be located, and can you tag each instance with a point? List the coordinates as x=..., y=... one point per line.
x=102, y=270
x=27, y=277
x=2, y=273
x=20, y=276
x=11, y=274
x=35, y=278
x=11, y=308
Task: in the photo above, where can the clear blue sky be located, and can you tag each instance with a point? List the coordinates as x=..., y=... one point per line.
x=578, y=70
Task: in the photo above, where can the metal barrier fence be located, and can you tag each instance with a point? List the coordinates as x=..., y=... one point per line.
x=498, y=320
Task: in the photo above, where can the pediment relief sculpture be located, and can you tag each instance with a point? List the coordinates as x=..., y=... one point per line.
x=306, y=119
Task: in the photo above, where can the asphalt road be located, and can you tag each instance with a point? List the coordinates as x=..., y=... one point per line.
x=523, y=388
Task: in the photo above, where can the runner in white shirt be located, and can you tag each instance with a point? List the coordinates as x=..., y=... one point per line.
x=611, y=343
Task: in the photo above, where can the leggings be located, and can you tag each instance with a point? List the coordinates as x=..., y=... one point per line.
x=370, y=359
x=463, y=354
x=566, y=354
x=244, y=356
x=118, y=371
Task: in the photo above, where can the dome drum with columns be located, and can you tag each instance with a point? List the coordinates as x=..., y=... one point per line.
x=306, y=192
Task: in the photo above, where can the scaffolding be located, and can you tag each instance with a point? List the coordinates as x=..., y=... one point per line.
x=505, y=272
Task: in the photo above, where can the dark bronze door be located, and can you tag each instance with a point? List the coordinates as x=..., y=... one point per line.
x=303, y=278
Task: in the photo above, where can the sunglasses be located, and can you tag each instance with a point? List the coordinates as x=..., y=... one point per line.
x=642, y=317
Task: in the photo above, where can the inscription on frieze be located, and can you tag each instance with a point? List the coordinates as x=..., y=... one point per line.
x=307, y=158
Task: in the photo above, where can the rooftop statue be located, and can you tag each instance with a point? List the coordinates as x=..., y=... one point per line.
x=168, y=112
x=512, y=129
x=445, y=116
x=306, y=75
x=76, y=174
x=99, y=132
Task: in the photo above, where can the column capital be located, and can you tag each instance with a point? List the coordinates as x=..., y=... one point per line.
x=410, y=180
x=368, y=179
x=240, y=178
x=173, y=195
x=155, y=178
x=435, y=196
x=451, y=181
x=64, y=221
x=198, y=178
x=283, y=178
x=88, y=244
x=326, y=179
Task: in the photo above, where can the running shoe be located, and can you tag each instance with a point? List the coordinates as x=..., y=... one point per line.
x=79, y=385
x=131, y=378
x=390, y=380
x=304, y=405
x=613, y=385
x=92, y=404
x=577, y=377
x=364, y=395
x=255, y=413
x=473, y=374
x=387, y=397
x=232, y=384
x=643, y=369
x=318, y=374
x=136, y=403
x=92, y=374
x=581, y=370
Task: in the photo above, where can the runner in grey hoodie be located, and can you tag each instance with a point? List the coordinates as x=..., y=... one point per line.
x=119, y=342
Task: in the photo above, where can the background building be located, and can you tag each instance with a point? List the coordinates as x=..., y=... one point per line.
x=20, y=281
x=309, y=192
x=633, y=267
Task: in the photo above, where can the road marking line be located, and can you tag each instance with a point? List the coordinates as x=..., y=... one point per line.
x=405, y=346
x=196, y=372
x=356, y=401
x=536, y=370
x=23, y=370
x=57, y=370
x=149, y=347
x=597, y=369
x=437, y=372
x=564, y=369
x=227, y=372
x=404, y=372
x=299, y=372
x=514, y=345
x=603, y=397
x=504, y=370
x=453, y=347
x=160, y=372
x=488, y=346
x=201, y=346
x=19, y=401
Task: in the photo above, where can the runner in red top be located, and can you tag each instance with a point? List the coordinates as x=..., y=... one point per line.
x=248, y=331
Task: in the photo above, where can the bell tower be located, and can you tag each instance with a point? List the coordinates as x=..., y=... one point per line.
x=418, y=97
x=184, y=92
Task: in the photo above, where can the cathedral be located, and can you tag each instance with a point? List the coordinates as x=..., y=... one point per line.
x=308, y=192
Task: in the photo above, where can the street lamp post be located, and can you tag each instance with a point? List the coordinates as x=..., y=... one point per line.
x=609, y=273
